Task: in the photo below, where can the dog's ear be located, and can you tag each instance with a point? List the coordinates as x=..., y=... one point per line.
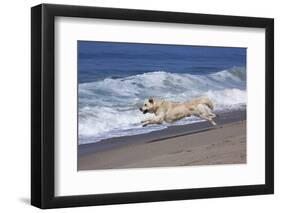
x=151, y=100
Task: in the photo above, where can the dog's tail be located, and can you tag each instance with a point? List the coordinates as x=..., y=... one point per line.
x=208, y=102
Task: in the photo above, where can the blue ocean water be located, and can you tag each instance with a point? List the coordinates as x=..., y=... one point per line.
x=115, y=78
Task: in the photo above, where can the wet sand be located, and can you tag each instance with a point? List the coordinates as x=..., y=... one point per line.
x=187, y=145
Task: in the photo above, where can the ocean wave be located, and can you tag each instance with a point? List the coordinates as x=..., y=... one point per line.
x=109, y=108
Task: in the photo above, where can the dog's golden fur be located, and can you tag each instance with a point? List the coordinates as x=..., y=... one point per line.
x=170, y=111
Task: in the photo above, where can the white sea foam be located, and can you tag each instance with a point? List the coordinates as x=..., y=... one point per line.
x=109, y=108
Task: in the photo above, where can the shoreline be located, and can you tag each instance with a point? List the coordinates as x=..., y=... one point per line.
x=187, y=145
x=167, y=133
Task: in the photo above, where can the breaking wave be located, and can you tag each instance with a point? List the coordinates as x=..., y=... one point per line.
x=109, y=108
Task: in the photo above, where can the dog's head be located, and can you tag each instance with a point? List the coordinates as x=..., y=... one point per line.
x=148, y=106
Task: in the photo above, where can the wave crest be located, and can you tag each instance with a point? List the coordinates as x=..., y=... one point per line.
x=109, y=108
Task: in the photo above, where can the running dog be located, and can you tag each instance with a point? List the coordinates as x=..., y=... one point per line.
x=170, y=111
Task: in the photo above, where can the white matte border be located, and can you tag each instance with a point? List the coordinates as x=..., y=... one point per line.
x=70, y=182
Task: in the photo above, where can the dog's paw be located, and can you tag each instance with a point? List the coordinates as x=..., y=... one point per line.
x=145, y=124
x=214, y=123
x=144, y=121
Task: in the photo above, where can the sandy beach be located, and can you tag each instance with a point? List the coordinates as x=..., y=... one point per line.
x=187, y=145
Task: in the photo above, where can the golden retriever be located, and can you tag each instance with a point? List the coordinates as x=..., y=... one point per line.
x=171, y=111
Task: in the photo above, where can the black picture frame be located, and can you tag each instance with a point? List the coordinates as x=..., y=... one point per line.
x=43, y=102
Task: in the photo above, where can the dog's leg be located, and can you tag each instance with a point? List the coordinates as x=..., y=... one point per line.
x=156, y=120
x=208, y=119
x=212, y=115
x=209, y=112
x=145, y=122
x=206, y=113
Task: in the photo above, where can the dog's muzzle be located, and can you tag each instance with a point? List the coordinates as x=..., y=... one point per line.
x=143, y=111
